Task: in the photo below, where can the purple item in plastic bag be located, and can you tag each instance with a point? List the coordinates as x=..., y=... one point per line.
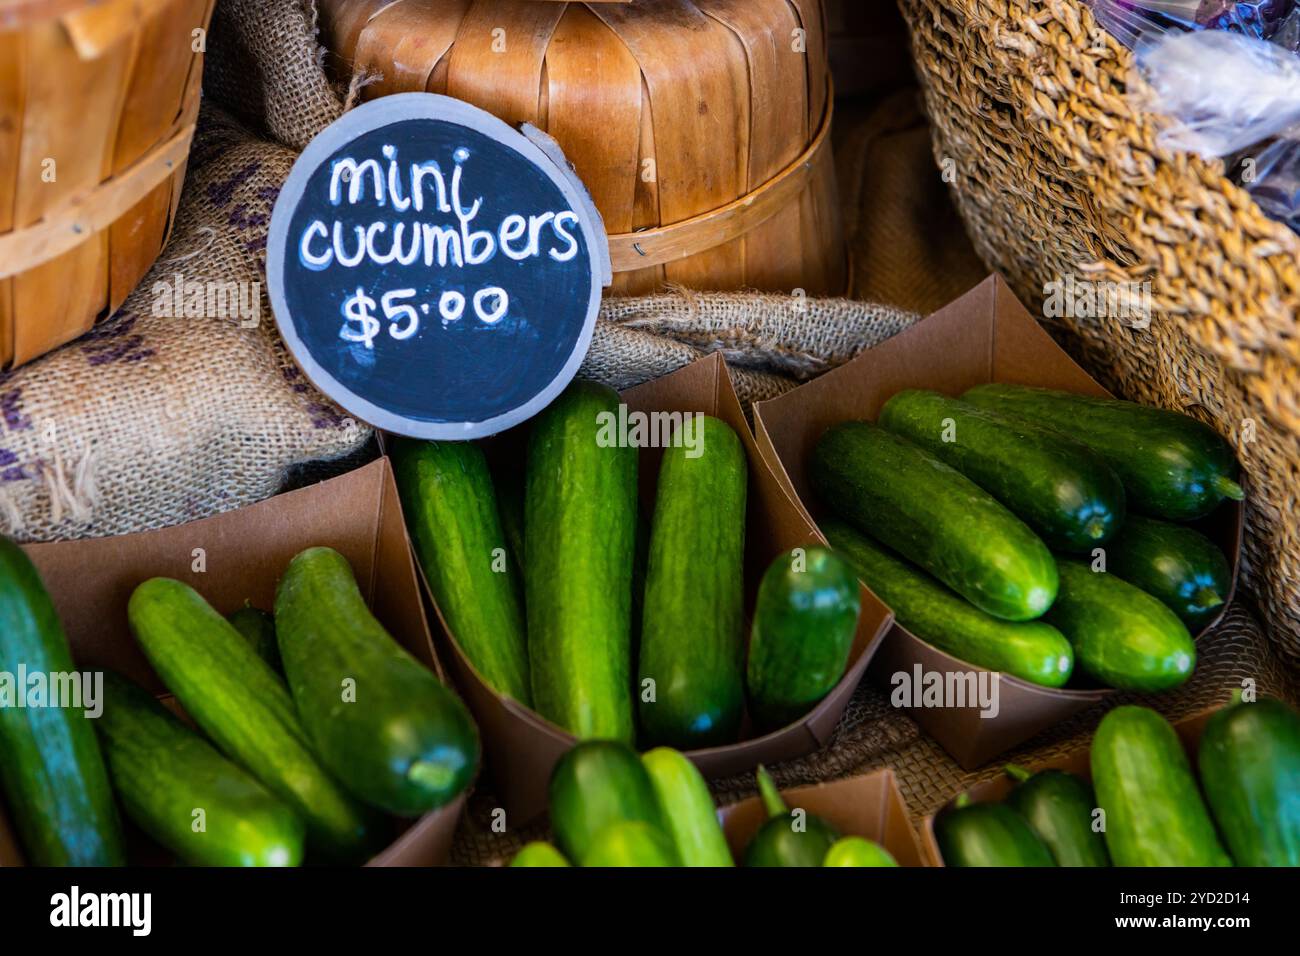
x=1130, y=20
x=1276, y=185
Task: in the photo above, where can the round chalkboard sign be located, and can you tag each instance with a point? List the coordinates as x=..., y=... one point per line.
x=434, y=271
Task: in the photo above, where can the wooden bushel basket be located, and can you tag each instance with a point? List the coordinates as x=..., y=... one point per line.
x=97, y=109
x=701, y=127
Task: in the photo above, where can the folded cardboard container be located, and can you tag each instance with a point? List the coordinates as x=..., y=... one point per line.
x=867, y=806
x=984, y=336
x=238, y=557
x=1077, y=762
x=522, y=746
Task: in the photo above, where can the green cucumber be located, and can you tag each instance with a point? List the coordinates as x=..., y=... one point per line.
x=1058, y=807
x=805, y=618
x=688, y=811
x=258, y=628
x=858, y=851
x=245, y=708
x=451, y=511
x=380, y=720
x=692, y=629
x=1249, y=759
x=594, y=785
x=631, y=843
x=1172, y=466
x=1122, y=636
x=580, y=524
x=184, y=794
x=789, y=837
x=509, y=485
x=987, y=834
x=1154, y=812
x=1031, y=650
x=1067, y=494
x=1175, y=564
x=539, y=853
x=51, y=768
x=935, y=517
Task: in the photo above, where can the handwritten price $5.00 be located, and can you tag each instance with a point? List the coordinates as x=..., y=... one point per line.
x=361, y=324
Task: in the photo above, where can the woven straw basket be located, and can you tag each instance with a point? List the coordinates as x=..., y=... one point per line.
x=1057, y=175
x=700, y=126
x=97, y=108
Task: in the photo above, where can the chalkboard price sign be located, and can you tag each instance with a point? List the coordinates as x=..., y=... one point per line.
x=434, y=271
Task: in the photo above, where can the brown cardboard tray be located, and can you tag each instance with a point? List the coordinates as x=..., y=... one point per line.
x=867, y=806
x=1189, y=732
x=984, y=336
x=522, y=746
x=242, y=554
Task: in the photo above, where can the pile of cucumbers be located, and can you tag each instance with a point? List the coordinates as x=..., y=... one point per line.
x=307, y=728
x=610, y=807
x=1147, y=809
x=1035, y=532
x=611, y=627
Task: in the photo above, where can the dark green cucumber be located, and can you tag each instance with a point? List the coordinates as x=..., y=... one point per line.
x=1175, y=564
x=51, y=768
x=789, y=837
x=1172, y=466
x=184, y=794
x=1030, y=650
x=692, y=628
x=1058, y=807
x=1057, y=486
x=258, y=628
x=987, y=834
x=596, y=784
x=689, y=815
x=858, y=852
x=580, y=523
x=540, y=854
x=381, y=721
x=804, y=621
x=1154, y=812
x=451, y=511
x=1249, y=760
x=631, y=844
x=1122, y=636
x=245, y=708
x=935, y=517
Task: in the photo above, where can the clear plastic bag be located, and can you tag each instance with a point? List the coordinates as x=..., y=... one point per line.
x=1274, y=180
x=1129, y=21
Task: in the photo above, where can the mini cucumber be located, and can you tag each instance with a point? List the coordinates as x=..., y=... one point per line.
x=1031, y=650
x=1249, y=760
x=987, y=834
x=169, y=779
x=1154, y=812
x=258, y=628
x=805, y=618
x=631, y=843
x=244, y=707
x=1175, y=564
x=451, y=511
x=688, y=811
x=51, y=767
x=787, y=839
x=1058, y=807
x=1065, y=492
x=935, y=517
x=381, y=721
x=596, y=784
x=1122, y=636
x=1172, y=466
x=692, y=632
x=539, y=854
x=858, y=852
x=580, y=526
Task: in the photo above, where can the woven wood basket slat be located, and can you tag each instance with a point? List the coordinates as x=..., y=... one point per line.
x=97, y=102
x=1058, y=174
x=684, y=114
